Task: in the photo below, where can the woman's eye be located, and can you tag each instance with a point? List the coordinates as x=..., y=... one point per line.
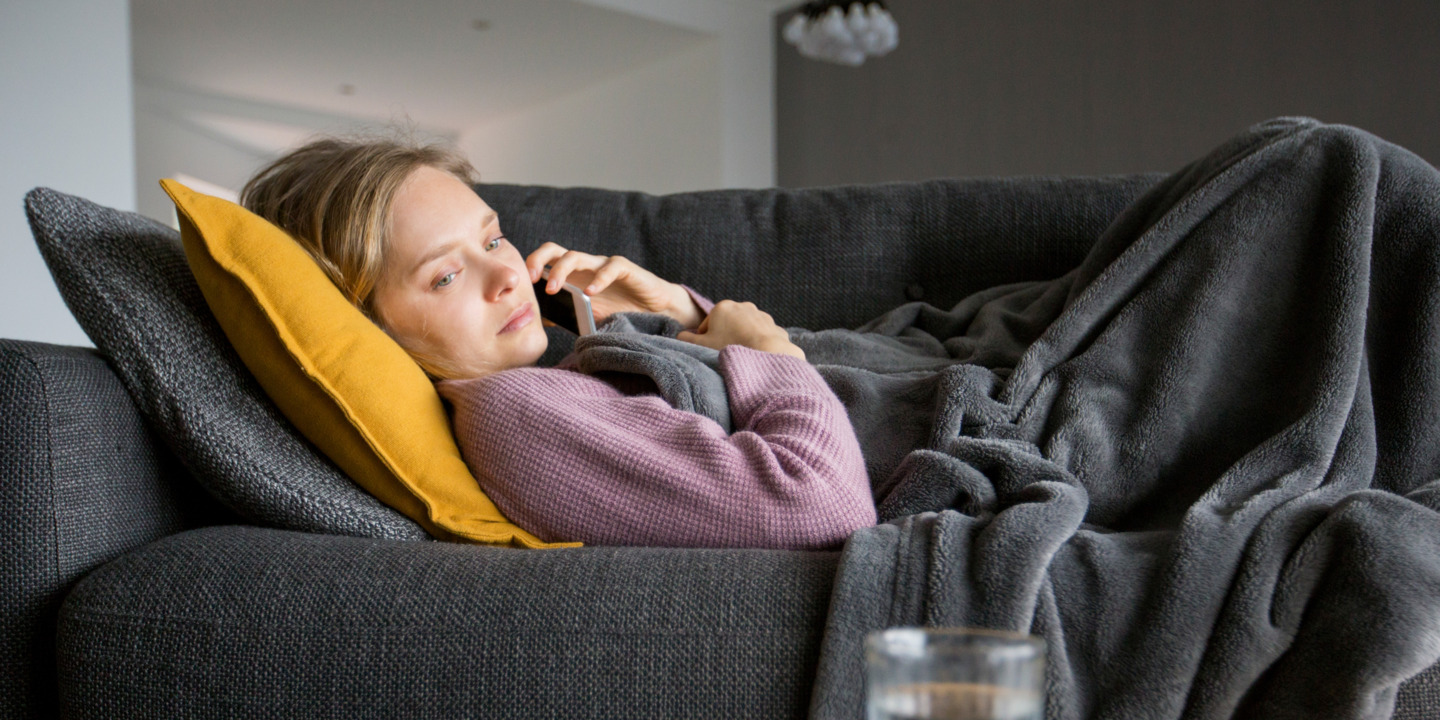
x=442, y=282
x=494, y=243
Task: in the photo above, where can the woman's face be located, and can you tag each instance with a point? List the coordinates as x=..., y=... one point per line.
x=453, y=287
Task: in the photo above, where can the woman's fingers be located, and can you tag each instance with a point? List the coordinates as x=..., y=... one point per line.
x=536, y=261
x=695, y=338
x=614, y=282
x=732, y=323
x=607, y=269
x=562, y=264
x=699, y=336
x=614, y=268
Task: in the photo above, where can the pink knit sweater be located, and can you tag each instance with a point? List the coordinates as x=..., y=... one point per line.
x=568, y=457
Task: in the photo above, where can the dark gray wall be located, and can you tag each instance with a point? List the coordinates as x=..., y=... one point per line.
x=1002, y=87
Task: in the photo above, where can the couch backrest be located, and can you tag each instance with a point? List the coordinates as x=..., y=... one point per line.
x=849, y=252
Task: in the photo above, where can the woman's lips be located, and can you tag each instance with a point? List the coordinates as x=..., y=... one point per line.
x=519, y=319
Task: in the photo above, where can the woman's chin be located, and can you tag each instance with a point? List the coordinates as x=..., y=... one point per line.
x=531, y=344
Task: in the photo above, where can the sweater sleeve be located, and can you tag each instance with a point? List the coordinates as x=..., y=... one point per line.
x=705, y=304
x=568, y=457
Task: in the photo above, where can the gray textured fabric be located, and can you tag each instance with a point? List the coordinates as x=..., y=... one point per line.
x=832, y=257
x=246, y=622
x=1202, y=465
x=126, y=280
x=644, y=345
x=81, y=481
x=1419, y=697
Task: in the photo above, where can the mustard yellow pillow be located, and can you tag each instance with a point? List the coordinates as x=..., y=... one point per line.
x=348, y=387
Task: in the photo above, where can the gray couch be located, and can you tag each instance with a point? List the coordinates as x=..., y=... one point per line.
x=129, y=591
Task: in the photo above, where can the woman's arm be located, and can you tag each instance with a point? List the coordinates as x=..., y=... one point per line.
x=568, y=457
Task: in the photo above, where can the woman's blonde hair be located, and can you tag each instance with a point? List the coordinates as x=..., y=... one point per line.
x=333, y=196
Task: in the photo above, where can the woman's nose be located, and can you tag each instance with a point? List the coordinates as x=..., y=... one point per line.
x=501, y=279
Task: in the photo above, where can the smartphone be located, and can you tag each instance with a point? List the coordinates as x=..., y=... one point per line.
x=569, y=308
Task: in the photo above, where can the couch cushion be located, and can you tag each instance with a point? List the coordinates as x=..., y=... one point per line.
x=346, y=384
x=126, y=280
x=301, y=625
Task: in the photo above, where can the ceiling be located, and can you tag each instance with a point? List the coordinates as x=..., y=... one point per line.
x=442, y=64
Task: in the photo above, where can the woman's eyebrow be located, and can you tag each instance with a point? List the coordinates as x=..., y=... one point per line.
x=490, y=219
x=434, y=253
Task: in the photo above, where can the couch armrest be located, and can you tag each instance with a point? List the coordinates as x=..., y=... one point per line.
x=244, y=621
x=81, y=481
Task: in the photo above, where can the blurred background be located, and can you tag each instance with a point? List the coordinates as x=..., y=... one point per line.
x=102, y=98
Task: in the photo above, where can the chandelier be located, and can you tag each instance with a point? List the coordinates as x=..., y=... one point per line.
x=842, y=31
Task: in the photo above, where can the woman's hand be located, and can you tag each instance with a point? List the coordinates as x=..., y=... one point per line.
x=613, y=283
x=732, y=323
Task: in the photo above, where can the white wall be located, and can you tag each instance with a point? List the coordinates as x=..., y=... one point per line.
x=224, y=140
x=701, y=119
x=656, y=129
x=65, y=122
x=166, y=145
x=747, y=77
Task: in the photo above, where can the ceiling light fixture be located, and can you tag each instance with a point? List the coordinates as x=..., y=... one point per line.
x=826, y=30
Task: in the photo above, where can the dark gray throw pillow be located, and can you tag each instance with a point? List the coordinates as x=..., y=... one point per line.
x=126, y=280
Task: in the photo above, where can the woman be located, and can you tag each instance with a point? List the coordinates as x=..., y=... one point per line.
x=567, y=456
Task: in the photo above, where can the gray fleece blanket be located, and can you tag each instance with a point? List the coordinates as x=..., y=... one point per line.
x=1202, y=465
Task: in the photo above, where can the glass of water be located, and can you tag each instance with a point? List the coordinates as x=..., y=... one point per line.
x=954, y=673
